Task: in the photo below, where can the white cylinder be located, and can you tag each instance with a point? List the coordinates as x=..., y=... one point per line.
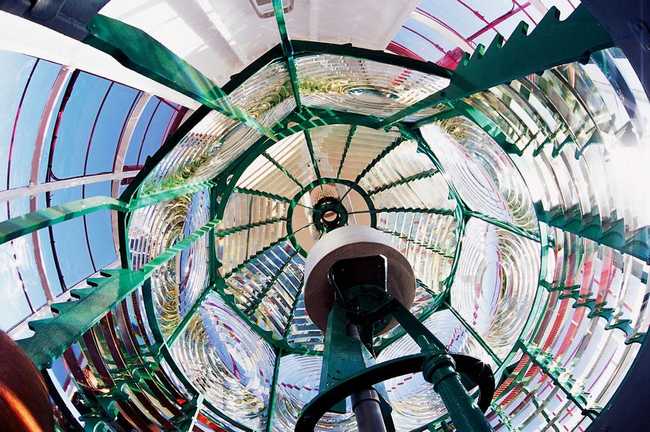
x=353, y=241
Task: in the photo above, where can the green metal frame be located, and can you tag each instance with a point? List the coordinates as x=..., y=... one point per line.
x=574, y=38
x=580, y=34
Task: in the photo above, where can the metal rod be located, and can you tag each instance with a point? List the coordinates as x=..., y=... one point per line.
x=367, y=411
x=365, y=402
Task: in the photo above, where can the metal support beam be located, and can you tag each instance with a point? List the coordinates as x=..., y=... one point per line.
x=140, y=52
x=287, y=51
x=553, y=371
x=30, y=222
x=573, y=39
x=348, y=143
x=230, y=231
x=259, y=297
x=273, y=391
x=52, y=336
x=474, y=334
x=404, y=180
x=508, y=226
x=312, y=154
x=282, y=169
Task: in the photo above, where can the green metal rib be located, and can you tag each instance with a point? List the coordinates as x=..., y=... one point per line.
x=287, y=51
x=145, y=200
x=172, y=251
x=474, y=334
x=230, y=420
x=255, y=256
x=574, y=38
x=249, y=226
x=437, y=304
x=312, y=154
x=138, y=51
x=180, y=328
x=282, y=169
x=503, y=225
x=311, y=117
x=392, y=146
x=252, y=307
x=598, y=309
x=379, y=157
x=411, y=240
x=404, y=180
x=273, y=391
x=30, y=222
x=608, y=232
x=260, y=193
x=446, y=212
x=553, y=370
x=348, y=142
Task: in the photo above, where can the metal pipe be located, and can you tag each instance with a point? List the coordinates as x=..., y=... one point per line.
x=440, y=370
x=367, y=411
x=365, y=402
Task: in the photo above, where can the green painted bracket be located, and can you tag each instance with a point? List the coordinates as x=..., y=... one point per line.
x=343, y=356
x=287, y=50
x=573, y=39
x=273, y=396
x=138, y=51
x=558, y=375
x=404, y=180
x=396, y=143
x=304, y=48
x=599, y=310
x=438, y=303
x=260, y=193
x=230, y=231
x=52, y=336
x=282, y=169
x=505, y=225
x=310, y=118
x=312, y=154
x=348, y=143
x=30, y=222
x=610, y=233
x=409, y=238
x=168, y=194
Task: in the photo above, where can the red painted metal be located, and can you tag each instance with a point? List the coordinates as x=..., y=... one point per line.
x=55, y=92
x=400, y=49
x=435, y=45
x=445, y=25
x=492, y=25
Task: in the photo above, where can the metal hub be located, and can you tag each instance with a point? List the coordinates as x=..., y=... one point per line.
x=328, y=214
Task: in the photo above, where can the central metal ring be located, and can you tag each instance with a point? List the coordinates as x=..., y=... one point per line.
x=328, y=214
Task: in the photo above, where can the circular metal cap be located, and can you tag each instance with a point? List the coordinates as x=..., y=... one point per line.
x=353, y=241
